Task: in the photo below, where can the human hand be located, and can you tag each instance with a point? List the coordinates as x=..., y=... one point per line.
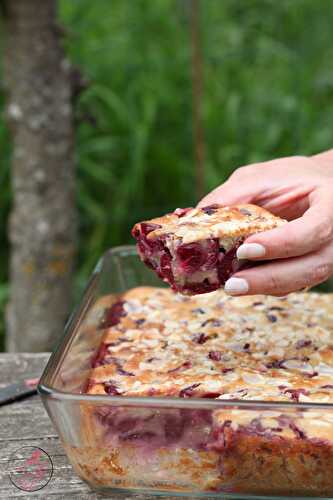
x=300, y=253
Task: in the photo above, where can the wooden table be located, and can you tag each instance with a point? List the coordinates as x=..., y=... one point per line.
x=26, y=423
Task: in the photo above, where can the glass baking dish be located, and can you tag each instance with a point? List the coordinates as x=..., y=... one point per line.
x=196, y=447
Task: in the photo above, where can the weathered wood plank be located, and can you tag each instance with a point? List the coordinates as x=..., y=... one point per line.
x=15, y=366
x=26, y=420
x=26, y=423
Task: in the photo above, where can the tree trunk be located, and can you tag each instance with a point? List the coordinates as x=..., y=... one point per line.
x=42, y=226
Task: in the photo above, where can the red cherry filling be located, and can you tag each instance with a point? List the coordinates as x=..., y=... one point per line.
x=193, y=257
x=165, y=267
x=185, y=366
x=212, y=254
x=211, y=395
x=157, y=429
x=147, y=246
x=111, y=389
x=295, y=393
x=228, y=264
x=147, y=228
x=190, y=257
x=276, y=364
x=203, y=287
x=99, y=358
x=201, y=338
x=174, y=427
x=151, y=264
x=153, y=252
x=188, y=391
x=215, y=355
x=297, y=431
x=113, y=315
x=145, y=436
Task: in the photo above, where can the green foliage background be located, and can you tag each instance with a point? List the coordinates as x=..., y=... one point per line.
x=268, y=93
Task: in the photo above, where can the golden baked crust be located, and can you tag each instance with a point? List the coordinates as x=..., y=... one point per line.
x=251, y=348
x=215, y=221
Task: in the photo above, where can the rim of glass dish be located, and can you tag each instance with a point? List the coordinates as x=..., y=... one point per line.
x=65, y=342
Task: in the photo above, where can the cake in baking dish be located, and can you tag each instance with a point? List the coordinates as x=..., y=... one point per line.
x=160, y=344
x=194, y=249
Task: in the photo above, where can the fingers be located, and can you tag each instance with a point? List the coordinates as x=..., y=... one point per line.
x=264, y=184
x=290, y=210
x=241, y=187
x=226, y=194
x=298, y=237
x=283, y=276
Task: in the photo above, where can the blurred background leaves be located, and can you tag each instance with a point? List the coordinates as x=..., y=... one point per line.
x=268, y=92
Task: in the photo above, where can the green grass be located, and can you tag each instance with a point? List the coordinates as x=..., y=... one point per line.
x=268, y=93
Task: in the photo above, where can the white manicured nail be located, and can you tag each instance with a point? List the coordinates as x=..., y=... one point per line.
x=234, y=286
x=250, y=251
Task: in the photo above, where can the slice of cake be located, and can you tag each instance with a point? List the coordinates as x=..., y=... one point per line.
x=194, y=249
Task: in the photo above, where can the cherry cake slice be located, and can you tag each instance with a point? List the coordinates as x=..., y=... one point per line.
x=194, y=249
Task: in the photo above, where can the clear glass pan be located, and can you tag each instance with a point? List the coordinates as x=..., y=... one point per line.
x=195, y=447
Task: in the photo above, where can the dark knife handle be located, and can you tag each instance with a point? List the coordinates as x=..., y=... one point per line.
x=18, y=390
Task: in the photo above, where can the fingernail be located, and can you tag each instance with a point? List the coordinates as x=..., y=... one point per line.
x=250, y=251
x=235, y=286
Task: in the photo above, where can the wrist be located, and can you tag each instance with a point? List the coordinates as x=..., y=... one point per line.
x=325, y=158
